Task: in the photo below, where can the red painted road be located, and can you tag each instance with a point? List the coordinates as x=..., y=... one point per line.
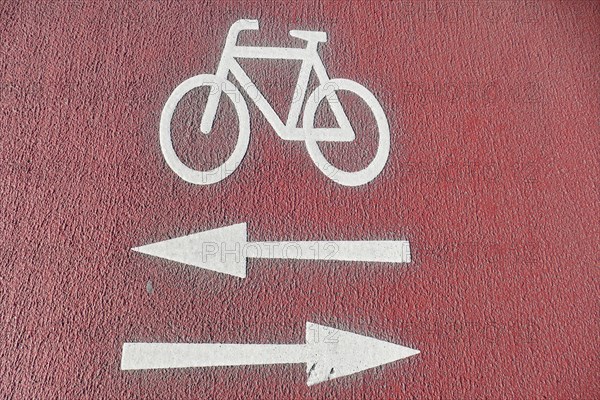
x=492, y=176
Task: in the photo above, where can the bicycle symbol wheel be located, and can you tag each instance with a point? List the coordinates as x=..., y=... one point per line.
x=166, y=144
x=368, y=173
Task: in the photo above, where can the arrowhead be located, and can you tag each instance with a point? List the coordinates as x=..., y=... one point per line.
x=334, y=353
x=219, y=250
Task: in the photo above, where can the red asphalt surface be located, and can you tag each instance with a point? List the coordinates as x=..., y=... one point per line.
x=493, y=176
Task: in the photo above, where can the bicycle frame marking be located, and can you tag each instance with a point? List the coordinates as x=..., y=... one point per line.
x=289, y=131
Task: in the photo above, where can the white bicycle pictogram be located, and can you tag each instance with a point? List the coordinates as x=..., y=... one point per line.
x=311, y=61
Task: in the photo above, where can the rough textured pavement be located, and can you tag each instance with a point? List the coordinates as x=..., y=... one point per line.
x=492, y=176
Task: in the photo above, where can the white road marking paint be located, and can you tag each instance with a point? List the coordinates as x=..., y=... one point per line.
x=226, y=249
x=311, y=135
x=328, y=353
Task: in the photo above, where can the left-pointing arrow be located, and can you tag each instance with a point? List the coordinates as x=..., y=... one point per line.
x=328, y=353
x=226, y=249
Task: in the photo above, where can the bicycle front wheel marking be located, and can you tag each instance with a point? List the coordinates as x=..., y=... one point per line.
x=166, y=144
x=375, y=167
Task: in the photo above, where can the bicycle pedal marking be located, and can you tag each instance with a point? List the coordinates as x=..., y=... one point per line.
x=311, y=61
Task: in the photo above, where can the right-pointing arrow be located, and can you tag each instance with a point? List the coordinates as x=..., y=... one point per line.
x=225, y=250
x=328, y=353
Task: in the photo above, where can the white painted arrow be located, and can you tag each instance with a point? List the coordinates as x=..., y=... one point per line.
x=226, y=249
x=328, y=353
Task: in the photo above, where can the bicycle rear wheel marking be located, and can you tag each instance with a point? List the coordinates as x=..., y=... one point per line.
x=224, y=170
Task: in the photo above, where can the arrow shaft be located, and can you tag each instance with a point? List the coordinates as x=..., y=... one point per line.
x=368, y=251
x=189, y=355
